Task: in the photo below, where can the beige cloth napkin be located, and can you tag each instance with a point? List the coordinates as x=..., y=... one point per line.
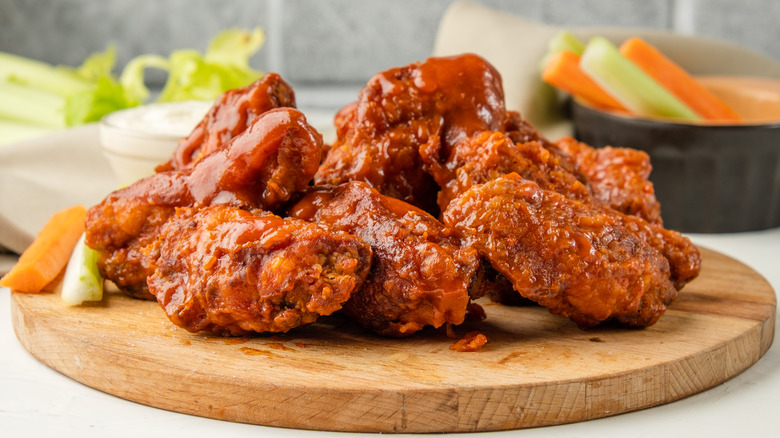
x=42, y=176
x=516, y=45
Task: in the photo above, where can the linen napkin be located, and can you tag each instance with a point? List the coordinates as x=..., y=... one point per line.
x=42, y=176
x=516, y=46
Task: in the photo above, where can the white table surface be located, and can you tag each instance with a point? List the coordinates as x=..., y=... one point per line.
x=37, y=401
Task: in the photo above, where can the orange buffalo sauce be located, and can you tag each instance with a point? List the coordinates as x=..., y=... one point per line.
x=756, y=99
x=473, y=341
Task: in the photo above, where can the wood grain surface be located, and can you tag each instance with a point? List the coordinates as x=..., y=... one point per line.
x=537, y=369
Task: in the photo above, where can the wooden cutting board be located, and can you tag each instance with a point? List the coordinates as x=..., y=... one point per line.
x=537, y=369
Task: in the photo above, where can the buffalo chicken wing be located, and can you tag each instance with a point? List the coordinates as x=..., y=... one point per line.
x=231, y=114
x=580, y=260
x=420, y=274
x=262, y=167
x=224, y=270
x=617, y=176
x=443, y=101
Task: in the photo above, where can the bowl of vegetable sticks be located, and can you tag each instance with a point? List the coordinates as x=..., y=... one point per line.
x=713, y=140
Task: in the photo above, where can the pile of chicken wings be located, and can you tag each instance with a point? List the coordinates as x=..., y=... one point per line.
x=432, y=195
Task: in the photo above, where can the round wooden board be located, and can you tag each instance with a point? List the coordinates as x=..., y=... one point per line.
x=537, y=369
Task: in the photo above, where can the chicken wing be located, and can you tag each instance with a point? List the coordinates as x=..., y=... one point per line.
x=619, y=177
x=230, y=115
x=580, y=260
x=223, y=270
x=491, y=154
x=420, y=274
x=275, y=157
x=442, y=100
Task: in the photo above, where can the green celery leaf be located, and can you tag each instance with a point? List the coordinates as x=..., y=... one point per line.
x=132, y=78
x=98, y=64
x=235, y=47
x=192, y=76
x=90, y=106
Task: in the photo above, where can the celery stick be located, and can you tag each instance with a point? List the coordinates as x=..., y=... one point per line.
x=26, y=104
x=82, y=281
x=40, y=75
x=565, y=40
x=58, y=96
x=629, y=85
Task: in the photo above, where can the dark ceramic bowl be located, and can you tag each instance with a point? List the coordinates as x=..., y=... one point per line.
x=708, y=178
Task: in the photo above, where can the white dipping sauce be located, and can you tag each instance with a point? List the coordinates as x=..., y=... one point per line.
x=136, y=140
x=166, y=119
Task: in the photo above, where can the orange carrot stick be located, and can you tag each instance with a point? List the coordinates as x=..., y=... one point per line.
x=48, y=255
x=677, y=81
x=563, y=71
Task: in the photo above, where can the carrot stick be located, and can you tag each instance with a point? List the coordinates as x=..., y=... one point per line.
x=47, y=256
x=629, y=84
x=563, y=71
x=672, y=77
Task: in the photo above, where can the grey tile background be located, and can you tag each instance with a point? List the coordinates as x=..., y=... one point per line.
x=334, y=46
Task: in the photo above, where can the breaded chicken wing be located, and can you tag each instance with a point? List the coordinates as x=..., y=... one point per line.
x=489, y=155
x=442, y=100
x=619, y=177
x=223, y=270
x=420, y=273
x=580, y=260
x=231, y=114
x=275, y=157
